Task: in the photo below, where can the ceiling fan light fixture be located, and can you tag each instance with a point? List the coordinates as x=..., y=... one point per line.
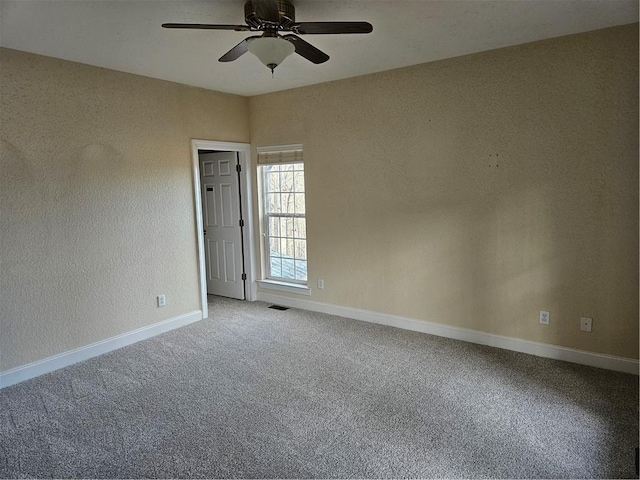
x=271, y=50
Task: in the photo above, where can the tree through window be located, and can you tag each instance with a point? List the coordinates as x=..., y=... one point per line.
x=285, y=222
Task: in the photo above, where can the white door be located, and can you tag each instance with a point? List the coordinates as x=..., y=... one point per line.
x=222, y=224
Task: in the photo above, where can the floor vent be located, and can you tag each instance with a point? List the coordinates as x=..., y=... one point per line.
x=279, y=307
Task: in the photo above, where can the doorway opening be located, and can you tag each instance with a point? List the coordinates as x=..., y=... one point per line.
x=224, y=219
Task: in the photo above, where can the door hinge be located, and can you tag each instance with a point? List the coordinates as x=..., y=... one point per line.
x=241, y=222
x=238, y=168
x=244, y=276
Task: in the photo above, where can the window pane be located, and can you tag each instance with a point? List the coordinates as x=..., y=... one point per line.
x=274, y=227
x=288, y=203
x=273, y=182
x=286, y=182
x=276, y=267
x=299, y=203
x=288, y=268
x=301, y=249
x=275, y=249
x=283, y=226
x=273, y=203
x=289, y=245
x=286, y=227
x=301, y=270
x=299, y=228
x=298, y=181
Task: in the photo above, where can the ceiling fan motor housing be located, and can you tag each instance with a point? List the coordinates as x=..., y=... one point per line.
x=286, y=12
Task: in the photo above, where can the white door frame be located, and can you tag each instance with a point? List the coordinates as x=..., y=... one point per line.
x=244, y=156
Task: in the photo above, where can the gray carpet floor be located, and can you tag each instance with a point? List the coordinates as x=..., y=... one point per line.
x=258, y=393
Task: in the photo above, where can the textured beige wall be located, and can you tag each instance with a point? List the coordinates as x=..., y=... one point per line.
x=471, y=192
x=478, y=190
x=97, y=200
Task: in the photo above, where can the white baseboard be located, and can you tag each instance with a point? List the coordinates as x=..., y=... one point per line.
x=609, y=362
x=35, y=369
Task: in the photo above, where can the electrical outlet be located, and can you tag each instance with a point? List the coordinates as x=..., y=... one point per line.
x=586, y=323
x=544, y=317
x=321, y=284
x=162, y=300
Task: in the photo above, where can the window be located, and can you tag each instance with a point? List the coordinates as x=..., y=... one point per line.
x=283, y=214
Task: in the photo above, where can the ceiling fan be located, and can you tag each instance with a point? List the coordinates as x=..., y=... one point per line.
x=271, y=17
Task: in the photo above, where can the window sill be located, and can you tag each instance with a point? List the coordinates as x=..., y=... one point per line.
x=285, y=287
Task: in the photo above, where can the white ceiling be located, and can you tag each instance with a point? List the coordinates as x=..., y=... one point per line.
x=126, y=35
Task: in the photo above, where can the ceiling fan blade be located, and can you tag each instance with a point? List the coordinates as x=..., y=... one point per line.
x=237, y=51
x=307, y=50
x=319, y=28
x=207, y=26
x=267, y=10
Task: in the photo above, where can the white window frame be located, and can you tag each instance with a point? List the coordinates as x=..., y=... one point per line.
x=281, y=154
